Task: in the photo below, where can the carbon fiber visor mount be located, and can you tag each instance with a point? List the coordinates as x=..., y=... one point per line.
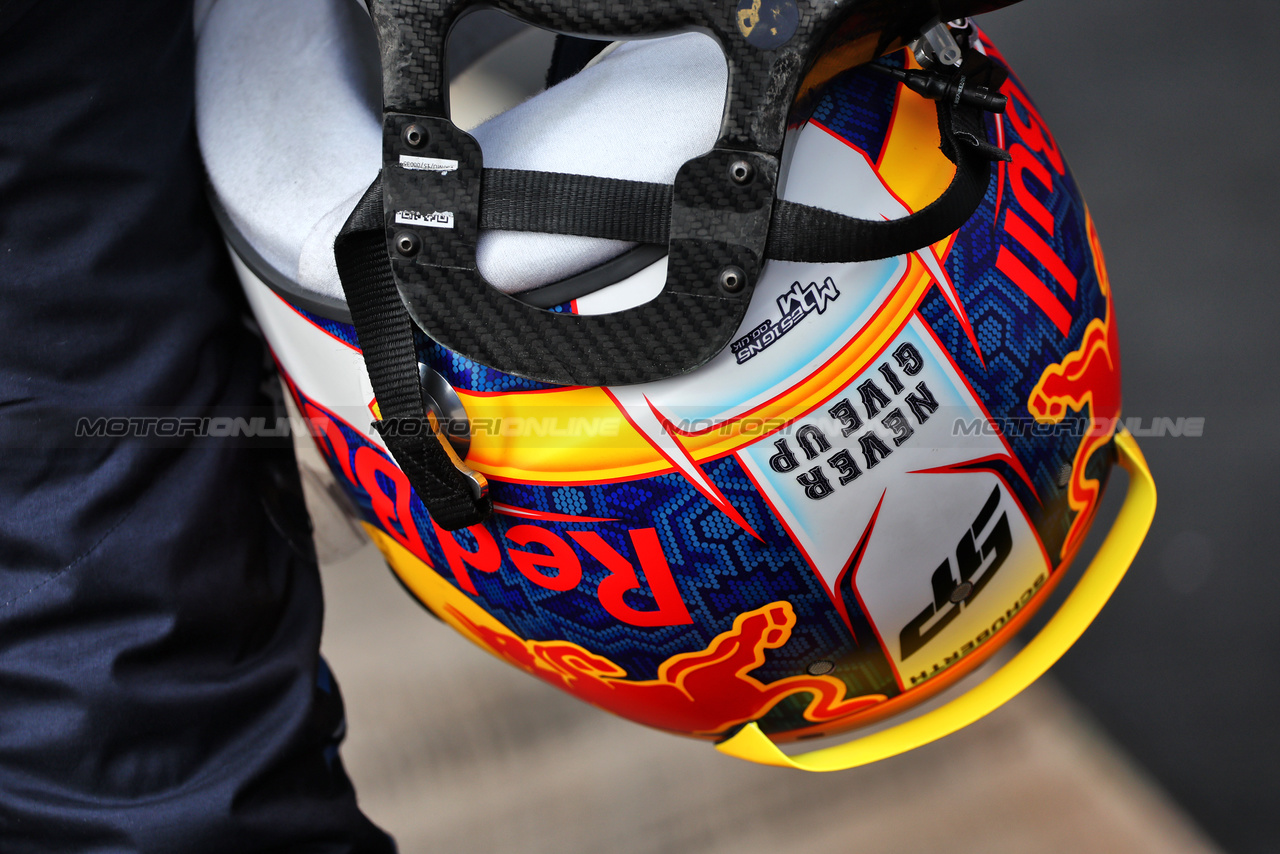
x=719, y=222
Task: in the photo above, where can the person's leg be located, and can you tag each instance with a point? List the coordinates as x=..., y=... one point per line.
x=160, y=681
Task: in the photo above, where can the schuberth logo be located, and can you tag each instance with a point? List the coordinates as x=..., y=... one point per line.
x=949, y=595
x=795, y=305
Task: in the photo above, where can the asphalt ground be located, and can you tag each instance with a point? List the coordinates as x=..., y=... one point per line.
x=1169, y=117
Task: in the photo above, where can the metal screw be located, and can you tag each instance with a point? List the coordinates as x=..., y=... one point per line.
x=962, y=592
x=820, y=667
x=407, y=244
x=741, y=171
x=415, y=136
x=733, y=279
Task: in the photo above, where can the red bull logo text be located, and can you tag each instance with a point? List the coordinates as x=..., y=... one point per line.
x=705, y=692
x=1034, y=139
x=557, y=566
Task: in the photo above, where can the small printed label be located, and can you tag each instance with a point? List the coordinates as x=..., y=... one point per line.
x=435, y=219
x=795, y=305
x=427, y=164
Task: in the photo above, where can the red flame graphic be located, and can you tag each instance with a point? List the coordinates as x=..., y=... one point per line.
x=699, y=693
x=1089, y=375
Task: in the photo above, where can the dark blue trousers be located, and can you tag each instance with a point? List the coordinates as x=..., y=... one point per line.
x=160, y=682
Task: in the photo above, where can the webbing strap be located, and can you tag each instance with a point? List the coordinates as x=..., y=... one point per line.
x=445, y=486
x=637, y=211
x=804, y=233
x=640, y=212
x=560, y=203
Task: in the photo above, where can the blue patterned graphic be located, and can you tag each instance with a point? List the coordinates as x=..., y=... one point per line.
x=858, y=105
x=463, y=373
x=458, y=370
x=1018, y=340
x=719, y=569
x=344, y=332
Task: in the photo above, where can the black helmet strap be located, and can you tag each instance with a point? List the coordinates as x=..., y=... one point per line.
x=722, y=203
x=411, y=241
x=454, y=495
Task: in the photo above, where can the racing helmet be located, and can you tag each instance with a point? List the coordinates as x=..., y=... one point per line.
x=755, y=383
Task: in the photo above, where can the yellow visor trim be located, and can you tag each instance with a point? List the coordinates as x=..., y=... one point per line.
x=1079, y=609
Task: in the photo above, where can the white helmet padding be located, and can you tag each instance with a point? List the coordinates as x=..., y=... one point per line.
x=289, y=119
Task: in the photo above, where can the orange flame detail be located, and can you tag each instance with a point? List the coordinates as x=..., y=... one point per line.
x=1089, y=375
x=700, y=693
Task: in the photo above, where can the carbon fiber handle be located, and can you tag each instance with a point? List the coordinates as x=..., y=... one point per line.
x=412, y=35
x=720, y=223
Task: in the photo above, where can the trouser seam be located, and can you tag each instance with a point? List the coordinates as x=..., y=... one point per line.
x=73, y=563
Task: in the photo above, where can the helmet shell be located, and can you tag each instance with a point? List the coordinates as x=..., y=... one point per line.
x=853, y=505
